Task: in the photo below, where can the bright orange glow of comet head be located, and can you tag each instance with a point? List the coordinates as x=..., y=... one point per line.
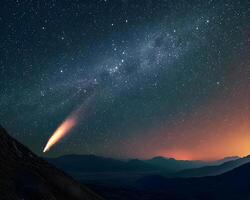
x=60, y=132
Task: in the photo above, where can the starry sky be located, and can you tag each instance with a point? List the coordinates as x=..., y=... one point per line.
x=146, y=78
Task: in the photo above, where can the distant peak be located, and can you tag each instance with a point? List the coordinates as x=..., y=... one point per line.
x=231, y=157
x=161, y=158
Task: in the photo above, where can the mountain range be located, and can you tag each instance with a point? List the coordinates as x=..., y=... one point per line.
x=232, y=185
x=93, y=163
x=27, y=176
x=213, y=170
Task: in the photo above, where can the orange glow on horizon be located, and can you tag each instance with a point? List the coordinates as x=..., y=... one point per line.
x=220, y=128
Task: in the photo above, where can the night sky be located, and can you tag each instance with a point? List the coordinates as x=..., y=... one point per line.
x=141, y=78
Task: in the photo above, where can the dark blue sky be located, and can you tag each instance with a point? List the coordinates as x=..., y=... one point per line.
x=134, y=68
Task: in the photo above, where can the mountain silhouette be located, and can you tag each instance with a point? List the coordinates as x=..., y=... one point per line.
x=232, y=185
x=173, y=165
x=93, y=163
x=26, y=176
x=213, y=170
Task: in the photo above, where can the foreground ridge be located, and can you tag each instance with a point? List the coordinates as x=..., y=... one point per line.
x=26, y=176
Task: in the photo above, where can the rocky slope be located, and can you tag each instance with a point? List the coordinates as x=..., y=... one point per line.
x=26, y=176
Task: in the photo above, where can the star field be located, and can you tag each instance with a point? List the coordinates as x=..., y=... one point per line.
x=149, y=78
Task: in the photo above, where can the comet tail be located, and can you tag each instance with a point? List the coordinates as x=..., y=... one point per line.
x=60, y=132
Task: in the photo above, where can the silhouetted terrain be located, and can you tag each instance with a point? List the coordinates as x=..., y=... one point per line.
x=28, y=177
x=172, y=165
x=213, y=170
x=93, y=163
x=233, y=185
x=91, y=169
x=97, y=170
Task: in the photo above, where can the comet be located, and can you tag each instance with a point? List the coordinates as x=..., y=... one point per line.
x=70, y=122
x=60, y=132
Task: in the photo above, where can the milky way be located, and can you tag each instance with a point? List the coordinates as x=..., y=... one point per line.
x=137, y=74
